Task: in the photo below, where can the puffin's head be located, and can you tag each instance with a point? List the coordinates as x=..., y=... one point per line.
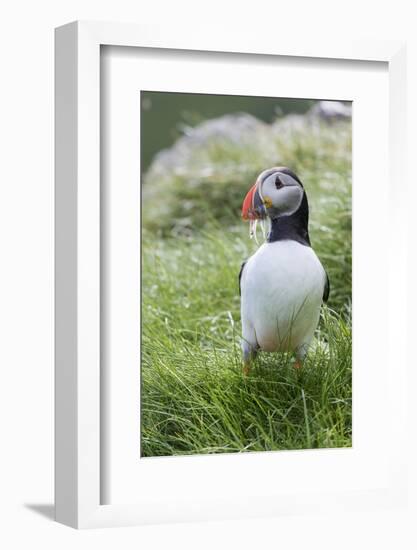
x=277, y=192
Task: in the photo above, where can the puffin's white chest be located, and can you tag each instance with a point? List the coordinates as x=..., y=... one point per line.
x=282, y=290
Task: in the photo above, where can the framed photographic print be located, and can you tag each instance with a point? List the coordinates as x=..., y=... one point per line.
x=222, y=349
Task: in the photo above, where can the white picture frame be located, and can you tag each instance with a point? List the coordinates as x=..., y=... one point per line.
x=78, y=264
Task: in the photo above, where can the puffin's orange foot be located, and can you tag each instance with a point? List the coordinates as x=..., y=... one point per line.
x=298, y=364
x=246, y=369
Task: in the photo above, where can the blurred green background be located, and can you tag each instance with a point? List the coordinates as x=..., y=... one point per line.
x=165, y=115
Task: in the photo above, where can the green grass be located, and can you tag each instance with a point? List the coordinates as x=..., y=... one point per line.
x=195, y=398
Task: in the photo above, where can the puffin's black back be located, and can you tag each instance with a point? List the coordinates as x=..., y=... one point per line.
x=294, y=227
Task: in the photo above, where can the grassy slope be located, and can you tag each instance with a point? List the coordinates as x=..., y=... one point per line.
x=194, y=397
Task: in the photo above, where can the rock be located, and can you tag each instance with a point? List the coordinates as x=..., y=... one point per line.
x=331, y=110
x=237, y=129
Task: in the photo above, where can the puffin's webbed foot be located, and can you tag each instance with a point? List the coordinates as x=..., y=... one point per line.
x=249, y=355
x=246, y=368
x=300, y=356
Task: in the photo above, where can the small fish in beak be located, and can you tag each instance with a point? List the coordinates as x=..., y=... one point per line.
x=254, y=210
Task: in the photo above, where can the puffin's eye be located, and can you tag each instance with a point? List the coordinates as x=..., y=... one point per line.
x=278, y=183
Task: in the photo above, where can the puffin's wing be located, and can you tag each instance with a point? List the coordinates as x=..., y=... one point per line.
x=326, y=290
x=242, y=267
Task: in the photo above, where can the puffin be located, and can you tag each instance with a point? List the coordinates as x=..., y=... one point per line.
x=283, y=284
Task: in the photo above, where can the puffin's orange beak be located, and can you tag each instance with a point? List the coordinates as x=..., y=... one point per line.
x=252, y=207
x=248, y=210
